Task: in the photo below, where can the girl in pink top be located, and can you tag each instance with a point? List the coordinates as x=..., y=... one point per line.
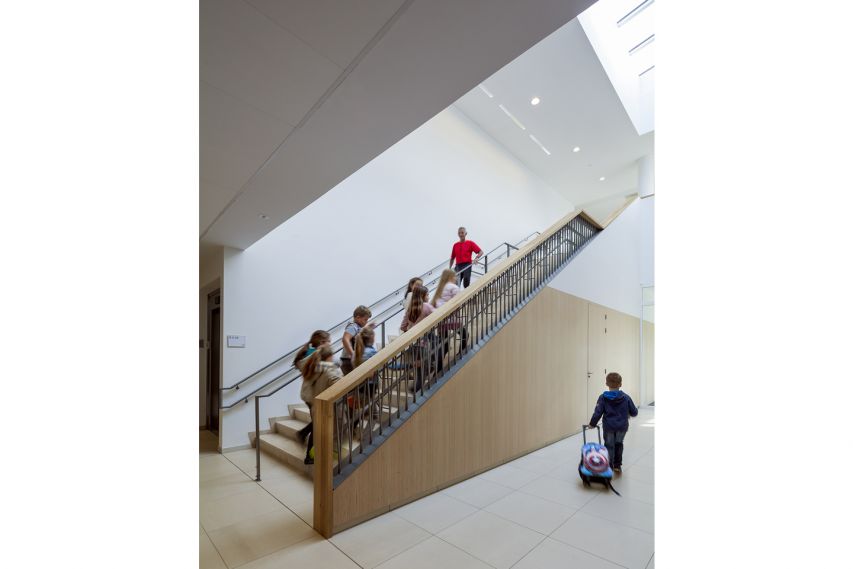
x=446, y=289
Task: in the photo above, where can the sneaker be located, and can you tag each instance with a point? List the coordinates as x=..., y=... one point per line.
x=617, y=469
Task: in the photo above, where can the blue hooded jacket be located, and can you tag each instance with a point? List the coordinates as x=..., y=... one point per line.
x=615, y=405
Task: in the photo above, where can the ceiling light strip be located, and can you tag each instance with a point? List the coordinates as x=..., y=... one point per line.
x=641, y=45
x=630, y=15
x=646, y=71
x=510, y=115
x=486, y=91
x=536, y=140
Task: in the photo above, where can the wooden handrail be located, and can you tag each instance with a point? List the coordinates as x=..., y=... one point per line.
x=366, y=370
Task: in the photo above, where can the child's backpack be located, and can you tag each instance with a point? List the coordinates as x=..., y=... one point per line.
x=595, y=463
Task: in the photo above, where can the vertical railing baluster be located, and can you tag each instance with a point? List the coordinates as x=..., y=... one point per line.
x=339, y=442
x=352, y=425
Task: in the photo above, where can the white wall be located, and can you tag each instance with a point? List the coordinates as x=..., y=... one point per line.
x=393, y=219
x=611, y=269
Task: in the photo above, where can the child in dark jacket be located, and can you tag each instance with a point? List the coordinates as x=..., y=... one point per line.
x=616, y=406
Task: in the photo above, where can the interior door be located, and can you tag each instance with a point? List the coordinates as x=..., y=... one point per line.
x=213, y=375
x=596, y=369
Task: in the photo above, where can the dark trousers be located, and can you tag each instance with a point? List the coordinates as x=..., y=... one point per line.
x=308, y=431
x=465, y=275
x=613, y=442
x=346, y=365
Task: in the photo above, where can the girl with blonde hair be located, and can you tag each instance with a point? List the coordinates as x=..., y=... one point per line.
x=446, y=289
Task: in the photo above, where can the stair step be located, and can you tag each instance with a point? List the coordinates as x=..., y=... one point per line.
x=289, y=427
x=286, y=450
x=300, y=413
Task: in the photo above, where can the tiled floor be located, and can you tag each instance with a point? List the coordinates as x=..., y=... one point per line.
x=532, y=513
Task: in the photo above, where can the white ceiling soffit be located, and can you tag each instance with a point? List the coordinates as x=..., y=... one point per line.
x=622, y=32
x=296, y=96
x=577, y=108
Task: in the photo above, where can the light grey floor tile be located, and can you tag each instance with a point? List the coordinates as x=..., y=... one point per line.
x=208, y=557
x=552, y=554
x=312, y=553
x=639, y=473
x=536, y=464
x=532, y=512
x=492, y=539
x=435, y=512
x=635, y=489
x=215, y=514
x=618, y=543
x=214, y=466
x=622, y=510
x=379, y=539
x=646, y=461
x=235, y=483
x=259, y=536
x=477, y=492
x=510, y=476
x=570, y=493
x=290, y=490
x=434, y=553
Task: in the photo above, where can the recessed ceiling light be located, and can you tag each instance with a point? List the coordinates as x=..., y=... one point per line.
x=601, y=179
x=534, y=101
x=512, y=117
x=536, y=140
x=264, y=217
x=576, y=149
x=486, y=91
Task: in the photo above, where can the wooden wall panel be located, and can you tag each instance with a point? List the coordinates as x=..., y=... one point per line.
x=525, y=389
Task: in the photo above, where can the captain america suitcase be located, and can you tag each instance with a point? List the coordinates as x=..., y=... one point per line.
x=595, y=462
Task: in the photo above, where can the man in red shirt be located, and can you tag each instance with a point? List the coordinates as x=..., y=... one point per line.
x=461, y=252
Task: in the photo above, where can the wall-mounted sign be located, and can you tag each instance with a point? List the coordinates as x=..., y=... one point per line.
x=236, y=341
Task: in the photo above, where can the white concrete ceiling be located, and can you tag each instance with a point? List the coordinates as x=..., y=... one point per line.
x=295, y=96
x=579, y=107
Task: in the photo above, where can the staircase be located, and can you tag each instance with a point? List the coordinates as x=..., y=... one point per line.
x=479, y=311
x=283, y=442
x=387, y=313
x=359, y=475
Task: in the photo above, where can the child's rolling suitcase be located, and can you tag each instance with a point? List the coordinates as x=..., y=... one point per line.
x=595, y=463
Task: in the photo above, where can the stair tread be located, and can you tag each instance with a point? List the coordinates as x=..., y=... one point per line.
x=286, y=444
x=292, y=423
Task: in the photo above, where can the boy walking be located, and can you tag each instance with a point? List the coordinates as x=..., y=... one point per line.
x=616, y=406
x=360, y=316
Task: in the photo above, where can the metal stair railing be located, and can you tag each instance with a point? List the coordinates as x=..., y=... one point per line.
x=436, y=348
x=291, y=374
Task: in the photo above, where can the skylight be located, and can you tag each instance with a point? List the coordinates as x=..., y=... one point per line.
x=622, y=34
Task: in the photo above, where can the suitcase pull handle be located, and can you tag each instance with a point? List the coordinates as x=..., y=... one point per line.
x=597, y=428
